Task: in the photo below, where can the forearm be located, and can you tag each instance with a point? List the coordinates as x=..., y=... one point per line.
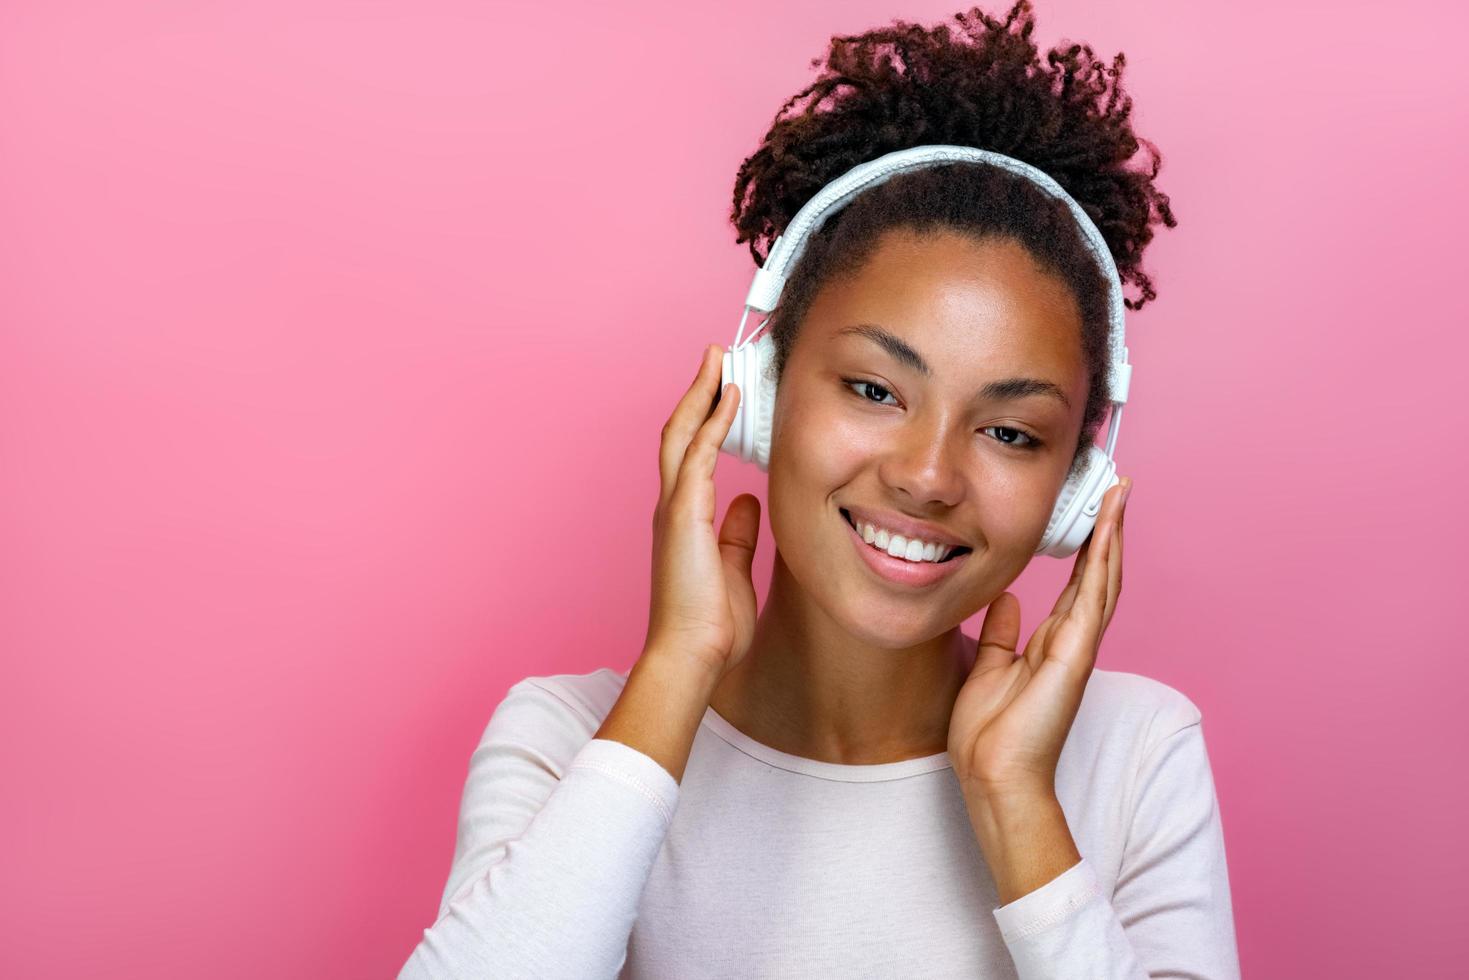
x=659, y=710
x=1024, y=838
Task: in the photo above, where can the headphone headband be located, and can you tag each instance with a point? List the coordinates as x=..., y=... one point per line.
x=770, y=279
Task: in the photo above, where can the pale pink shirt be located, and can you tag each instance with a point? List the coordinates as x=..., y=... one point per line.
x=580, y=857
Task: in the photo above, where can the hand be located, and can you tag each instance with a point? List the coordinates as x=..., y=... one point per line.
x=703, y=598
x=1013, y=713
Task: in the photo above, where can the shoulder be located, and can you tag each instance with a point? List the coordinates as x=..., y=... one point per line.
x=1120, y=705
x=1122, y=691
x=1137, y=735
x=586, y=697
x=554, y=715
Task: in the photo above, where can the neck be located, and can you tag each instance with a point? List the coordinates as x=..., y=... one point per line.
x=808, y=687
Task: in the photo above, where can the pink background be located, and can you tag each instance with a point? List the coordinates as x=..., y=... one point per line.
x=336, y=338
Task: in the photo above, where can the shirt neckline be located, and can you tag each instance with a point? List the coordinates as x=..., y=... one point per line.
x=872, y=773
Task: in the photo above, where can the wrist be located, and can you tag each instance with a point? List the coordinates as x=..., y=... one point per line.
x=997, y=816
x=1024, y=838
x=688, y=670
x=659, y=710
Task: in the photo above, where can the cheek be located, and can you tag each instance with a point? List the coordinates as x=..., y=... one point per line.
x=1015, y=506
x=808, y=435
x=812, y=458
x=824, y=428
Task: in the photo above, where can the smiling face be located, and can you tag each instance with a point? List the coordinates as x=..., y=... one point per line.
x=857, y=425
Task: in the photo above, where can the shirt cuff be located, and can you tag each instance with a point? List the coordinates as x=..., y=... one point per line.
x=638, y=770
x=1053, y=902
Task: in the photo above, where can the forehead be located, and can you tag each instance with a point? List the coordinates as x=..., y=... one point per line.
x=960, y=300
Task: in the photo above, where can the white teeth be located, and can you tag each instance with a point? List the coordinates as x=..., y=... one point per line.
x=909, y=549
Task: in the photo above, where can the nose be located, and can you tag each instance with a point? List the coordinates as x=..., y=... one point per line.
x=924, y=462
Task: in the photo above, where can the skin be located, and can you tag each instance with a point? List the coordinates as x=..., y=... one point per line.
x=846, y=668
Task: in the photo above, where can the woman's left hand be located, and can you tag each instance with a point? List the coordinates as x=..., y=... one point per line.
x=1013, y=713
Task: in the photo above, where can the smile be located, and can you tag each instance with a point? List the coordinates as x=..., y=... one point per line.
x=900, y=571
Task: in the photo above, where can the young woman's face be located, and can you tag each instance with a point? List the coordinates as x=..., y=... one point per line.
x=858, y=427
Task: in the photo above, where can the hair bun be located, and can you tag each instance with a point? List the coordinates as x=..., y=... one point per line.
x=983, y=85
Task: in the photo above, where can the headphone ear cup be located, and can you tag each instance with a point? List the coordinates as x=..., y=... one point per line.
x=762, y=399
x=752, y=367
x=1078, y=504
x=731, y=369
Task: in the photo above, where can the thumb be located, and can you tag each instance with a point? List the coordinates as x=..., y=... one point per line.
x=999, y=633
x=739, y=532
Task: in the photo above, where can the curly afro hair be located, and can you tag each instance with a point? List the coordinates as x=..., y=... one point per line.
x=908, y=85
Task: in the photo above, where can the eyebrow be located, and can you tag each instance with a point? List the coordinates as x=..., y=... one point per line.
x=1003, y=389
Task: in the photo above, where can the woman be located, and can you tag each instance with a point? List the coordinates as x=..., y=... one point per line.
x=846, y=784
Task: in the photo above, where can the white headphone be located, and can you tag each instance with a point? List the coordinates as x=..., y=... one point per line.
x=751, y=363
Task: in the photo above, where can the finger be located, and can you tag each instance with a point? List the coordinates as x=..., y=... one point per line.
x=692, y=409
x=739, y=534
x=693, y=492
x=1114, y=575
x=999, y=633
x=688, y=415
x=1035, y=648
x=1114, y=555
x=1091, y=595
x=1078, y=566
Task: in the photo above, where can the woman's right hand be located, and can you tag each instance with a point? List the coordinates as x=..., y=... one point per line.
x=703, y=598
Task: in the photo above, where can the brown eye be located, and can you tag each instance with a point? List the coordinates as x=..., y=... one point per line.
x=863, y=390
x=1030, y=441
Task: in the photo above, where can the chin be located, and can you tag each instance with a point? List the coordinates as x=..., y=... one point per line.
x=879, y=614
x=895, y=636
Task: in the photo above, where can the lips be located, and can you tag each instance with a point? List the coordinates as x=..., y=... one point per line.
x=903, y=574
x=958, y=550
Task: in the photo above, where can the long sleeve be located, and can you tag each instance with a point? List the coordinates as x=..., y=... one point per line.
x=1170, y=914
x=557, y=838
